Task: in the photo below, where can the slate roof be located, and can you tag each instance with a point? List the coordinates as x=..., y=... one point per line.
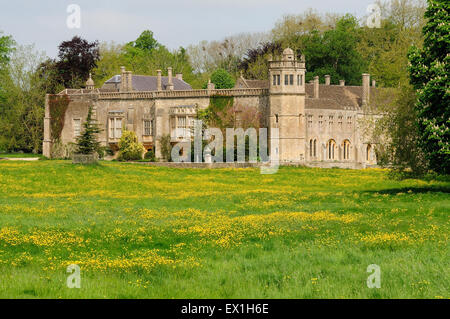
x=149, y=83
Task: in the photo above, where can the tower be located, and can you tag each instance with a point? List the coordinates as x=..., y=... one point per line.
x=287, y=105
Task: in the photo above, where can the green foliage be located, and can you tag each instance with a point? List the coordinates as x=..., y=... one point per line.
x=145, y=42
x=400, y=147
x=222, y=79
x=58, y=105
x=129, y=147
x=166, y=147
x=22, y=101
x=87, y=142
x=143, y=56
x=150, y=155
x=6, y=47
x=429, y=70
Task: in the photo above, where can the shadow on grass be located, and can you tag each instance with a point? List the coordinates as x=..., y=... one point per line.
x=412, y=190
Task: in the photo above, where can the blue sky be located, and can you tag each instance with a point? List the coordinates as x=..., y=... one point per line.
x=174, y=22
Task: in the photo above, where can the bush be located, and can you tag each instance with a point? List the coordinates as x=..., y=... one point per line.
x=150, y=156
x=129, y=147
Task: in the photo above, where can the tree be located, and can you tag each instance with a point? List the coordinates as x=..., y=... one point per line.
x=6, y=48
x=222, y=79
x=76, y=59
x=400, y=143
x=22, y=105
x=429, y=69
x=335, y=52
x=145, y=42
x=87, y=142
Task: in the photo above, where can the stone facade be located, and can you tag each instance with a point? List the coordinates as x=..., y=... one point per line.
x=318, y=125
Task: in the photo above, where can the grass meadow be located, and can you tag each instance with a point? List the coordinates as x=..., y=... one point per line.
x=154, y=232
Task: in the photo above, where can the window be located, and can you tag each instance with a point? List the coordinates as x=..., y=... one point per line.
x=340, y=118
x=315, y=148
x=311, y=148
x=331, y=148
x=368, y=151
x=299, y=79
x=291, y=79
x=115, y=127
x=286, y=79
x=320, y=121
x=278, y=79
x=76, y=127
x=346, y=149
x=148, y=129
x=310, y=120
x=349, y=121
x=330, y=121
x=276, y=118
x=274, y=80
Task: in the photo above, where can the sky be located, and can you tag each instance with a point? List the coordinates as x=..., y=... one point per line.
x=175, y=23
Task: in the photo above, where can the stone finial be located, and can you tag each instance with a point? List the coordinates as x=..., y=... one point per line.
x=90, y=83
x=327, y=79
x=342, y=82
x=374, y=83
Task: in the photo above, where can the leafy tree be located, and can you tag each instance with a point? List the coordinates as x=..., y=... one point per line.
x=334, y=52
x=87, y=142
x=6, y=47
x=76, y=59
x=429, y=70
x=222, y=79
x=129, y=147
x=22, y=105
x=145, y=42
x=400, y=147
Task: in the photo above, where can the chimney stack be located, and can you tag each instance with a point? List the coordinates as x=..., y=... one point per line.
x=123, y=79
x=179, y=76
x=170, y=81
x=342, y=82
x=158, y=80
x=316, y=87
x=327, y=79
x=365, y=89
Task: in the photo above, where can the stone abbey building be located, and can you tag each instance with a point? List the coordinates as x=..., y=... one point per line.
x=319, y=124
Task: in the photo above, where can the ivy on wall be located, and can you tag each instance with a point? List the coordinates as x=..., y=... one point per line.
x=58, y=105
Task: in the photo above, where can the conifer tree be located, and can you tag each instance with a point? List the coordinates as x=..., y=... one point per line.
x=87, y=142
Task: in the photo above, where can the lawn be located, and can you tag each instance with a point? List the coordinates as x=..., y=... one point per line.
x=145, y=232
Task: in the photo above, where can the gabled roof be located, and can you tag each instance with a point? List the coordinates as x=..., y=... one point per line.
x=149, y=83
x=242, y=83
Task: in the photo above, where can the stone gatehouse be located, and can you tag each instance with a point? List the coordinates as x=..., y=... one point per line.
x=319, y=124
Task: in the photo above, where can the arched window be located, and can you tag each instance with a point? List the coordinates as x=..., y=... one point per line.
x=310, y=148
x=369, y=149
x=315, y=148
x=346, y=149
x=331, y=149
